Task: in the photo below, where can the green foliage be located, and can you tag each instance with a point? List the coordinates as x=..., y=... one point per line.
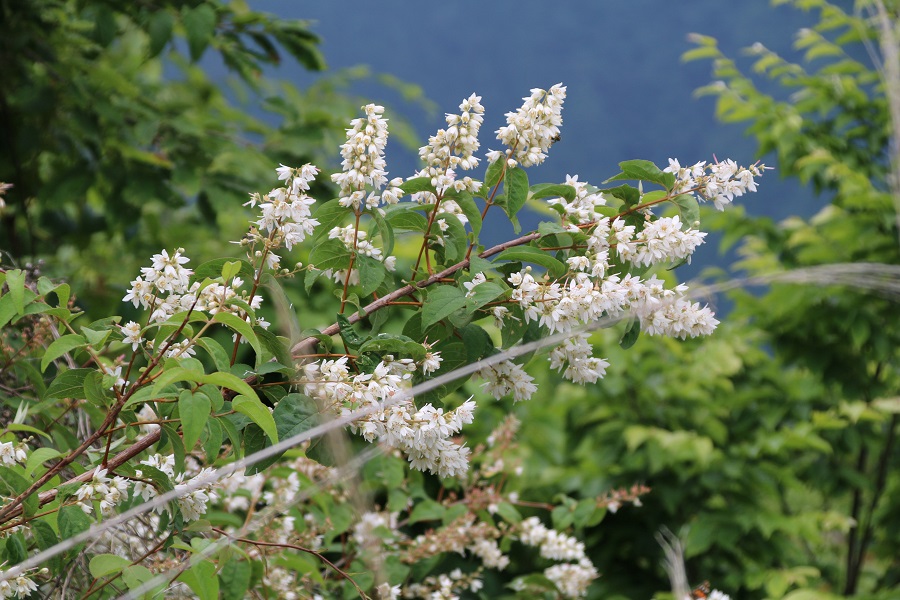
x=117, y=142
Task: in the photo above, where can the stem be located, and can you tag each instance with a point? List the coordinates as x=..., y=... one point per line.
x=358, y=213
x=488, y=203
x=422, y=248
x=867, y=530
x=254, y=287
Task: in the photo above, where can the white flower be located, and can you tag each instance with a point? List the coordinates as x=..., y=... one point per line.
x=132, y=333
x=10, y=453
x=431, y=362
x=470, y=285
x=506, y=377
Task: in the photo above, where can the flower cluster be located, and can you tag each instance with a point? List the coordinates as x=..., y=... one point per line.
x=20, y=585
x=583, y=209
x=356, y=241
x=724, y=181
x=107, y=491
x=193, y=503
x=286, y=217
x=442, y=587
x=532, y=129
x=661, y=240
x=10, y=453
x=453, y=149
x=422, y=434
x=165, y=290
x=572, y=577
x=506, y=377
x=364, y=163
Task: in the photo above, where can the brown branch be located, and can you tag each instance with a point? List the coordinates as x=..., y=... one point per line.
x=306, y=346
x=118, y=460
x=295, y=547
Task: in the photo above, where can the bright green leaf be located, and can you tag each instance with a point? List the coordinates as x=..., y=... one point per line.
x=258, y=413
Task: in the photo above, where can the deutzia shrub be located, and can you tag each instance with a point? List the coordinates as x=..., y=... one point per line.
x=187, y=443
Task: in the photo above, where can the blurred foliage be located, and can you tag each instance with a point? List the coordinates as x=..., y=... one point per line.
x=118, y=143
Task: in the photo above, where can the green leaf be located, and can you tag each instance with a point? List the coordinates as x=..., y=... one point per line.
x=230, y=381
x=399, y=345
x=631, y=335
x=426, y=510
x=102, y=565
x=516, y=188
x=407, y=219
x=553, y=190
x=235, y=580
x=485, y=293
x=15, y=550
x=478, y=342
x=72, y=521
x=62, y=291
x=455, y=238
x=348, y=334
x=493, y=174
x=45, y=537
x=7, y=309
x=508, y=512
x=417, y=184
x=61, y=346
x=213, y=270
x=159, y=28
x=95, y=392
x=200, y=26
x=194, y=412
x=689, y=208
x=294, y=414
x=330, y=254
x=371, y=274
x=258, y=413
x=467, y=203
x=276, y=346
x=38, y=456
x=387, y=234
x=643, y=170
x=28, y=428
x=202, y=580
x=532, y=255
x=136, y=575
x=629, y=195
x=69, y=384
x=212, y=445
x=216, y=352
x=230, y=269
x=15, y=280
x=174, y=374
x=241, y=327
x=440, y=303
x=330, y=215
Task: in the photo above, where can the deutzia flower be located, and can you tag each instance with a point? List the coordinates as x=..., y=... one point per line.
x=470, y=285
x=431, y=362
x=532, y=129
x=132, y=333
x=10, y=454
